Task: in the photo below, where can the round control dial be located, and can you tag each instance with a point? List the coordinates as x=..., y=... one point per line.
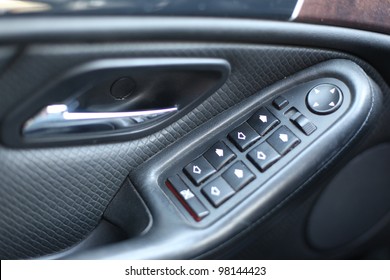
x=324, y=99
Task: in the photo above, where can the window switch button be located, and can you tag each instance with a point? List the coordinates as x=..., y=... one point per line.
x=219, y=155
x=243, y=136
x=263, y=156
x=238, y=176
x=263, y=121
x=218, y=191
x=283, y=140
x=199, y=170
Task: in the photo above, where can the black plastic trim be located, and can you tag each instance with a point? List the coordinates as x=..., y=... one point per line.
x=370, y=46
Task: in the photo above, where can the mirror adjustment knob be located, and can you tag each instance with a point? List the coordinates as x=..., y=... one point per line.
x=324, y=99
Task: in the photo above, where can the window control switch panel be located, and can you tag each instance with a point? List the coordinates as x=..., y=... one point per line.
x=254, y=148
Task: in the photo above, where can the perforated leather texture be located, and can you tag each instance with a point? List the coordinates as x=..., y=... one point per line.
x=50, y=199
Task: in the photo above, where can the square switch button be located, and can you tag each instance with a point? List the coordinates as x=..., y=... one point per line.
x=218, y=191
x=238, y=176
x=187, y=198
x=263, y=156
x=263, y=121
x=199, y=170
x=243, y=136
x=219, y=155
x=283, y=140
x=280, y=102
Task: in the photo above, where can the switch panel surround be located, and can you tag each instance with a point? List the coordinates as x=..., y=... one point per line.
x=256, y=147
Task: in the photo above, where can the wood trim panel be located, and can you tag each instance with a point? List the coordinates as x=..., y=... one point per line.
x=371, y=15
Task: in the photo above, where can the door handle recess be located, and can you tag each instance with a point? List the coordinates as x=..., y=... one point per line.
x=113, y=99
x=57, y=120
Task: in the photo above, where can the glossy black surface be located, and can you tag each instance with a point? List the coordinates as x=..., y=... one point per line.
x=269, y=9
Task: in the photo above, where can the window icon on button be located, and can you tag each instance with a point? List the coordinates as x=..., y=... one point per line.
x=239, y=173
x=196, y=169
x=261, y=155
x=283, y=137
x=219, y=152
x=241, y=136
x=263, y=118
x=215, y=191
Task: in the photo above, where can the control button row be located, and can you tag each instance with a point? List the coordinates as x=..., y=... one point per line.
x=213, y=159
x=222, y=188
x=278, y=144
x=258, y=125
x=217, y=191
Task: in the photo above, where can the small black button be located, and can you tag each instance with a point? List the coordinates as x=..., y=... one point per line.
x=187, y=198
x=280, y=102
x=199, y=170
x=303, y=123
x=123, y=88
x=324, y=99
x=283, y=140
x=263, y=121
x=263, y=156
x=219, y=155
x=218, y=191
x=238, y=176
x=243, y=136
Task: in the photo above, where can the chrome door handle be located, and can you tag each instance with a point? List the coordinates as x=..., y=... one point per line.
x=57, y=120
x=113, y=98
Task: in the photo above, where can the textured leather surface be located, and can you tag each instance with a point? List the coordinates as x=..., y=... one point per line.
x=52, y=198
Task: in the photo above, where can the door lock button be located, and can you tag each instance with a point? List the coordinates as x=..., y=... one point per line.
x=199, y=170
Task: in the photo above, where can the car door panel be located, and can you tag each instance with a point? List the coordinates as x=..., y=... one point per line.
x=53, y=198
